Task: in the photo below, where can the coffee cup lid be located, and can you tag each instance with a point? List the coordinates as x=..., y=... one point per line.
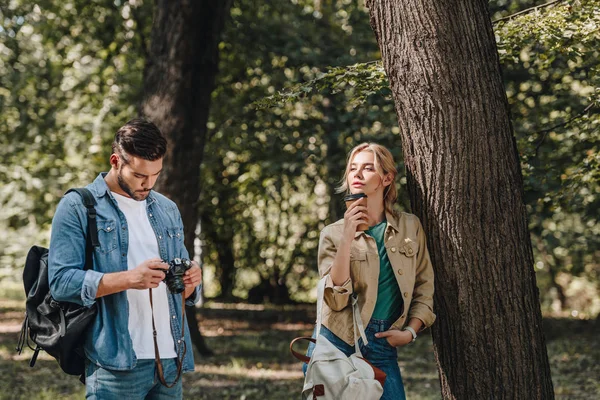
x=354, y=196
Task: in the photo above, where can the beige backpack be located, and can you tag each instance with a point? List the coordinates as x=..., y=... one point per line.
x=331, y=375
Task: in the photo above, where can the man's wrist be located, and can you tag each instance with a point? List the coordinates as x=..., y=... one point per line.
x=127, y=279
x=412, y=332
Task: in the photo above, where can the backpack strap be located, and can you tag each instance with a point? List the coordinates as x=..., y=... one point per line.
x=357, y=323
x=91, y=240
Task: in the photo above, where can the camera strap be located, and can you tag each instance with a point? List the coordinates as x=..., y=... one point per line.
x=159, y=366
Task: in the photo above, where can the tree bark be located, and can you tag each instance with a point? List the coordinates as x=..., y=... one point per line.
x=465, y=185
x=179, y=78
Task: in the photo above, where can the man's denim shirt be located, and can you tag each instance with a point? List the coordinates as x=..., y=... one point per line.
x=108, y=343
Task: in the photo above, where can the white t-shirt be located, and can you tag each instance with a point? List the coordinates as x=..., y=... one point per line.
x=143, y=246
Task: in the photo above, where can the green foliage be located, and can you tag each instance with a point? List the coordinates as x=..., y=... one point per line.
x=70, y=73
x=365, y=79
x=550, y=59
x=551, y=65
x=270, y=174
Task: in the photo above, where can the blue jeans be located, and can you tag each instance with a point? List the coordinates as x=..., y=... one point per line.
x=378, y=352
x=139, y=383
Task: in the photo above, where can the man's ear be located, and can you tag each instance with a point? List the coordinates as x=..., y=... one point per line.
x=114, y=161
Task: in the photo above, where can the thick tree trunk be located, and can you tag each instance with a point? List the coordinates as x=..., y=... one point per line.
x=465, y=184
x=179, y=79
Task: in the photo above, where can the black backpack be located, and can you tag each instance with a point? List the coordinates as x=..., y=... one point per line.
x=57, y=327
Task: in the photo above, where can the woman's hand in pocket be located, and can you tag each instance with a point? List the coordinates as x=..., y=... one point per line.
x=395, y=337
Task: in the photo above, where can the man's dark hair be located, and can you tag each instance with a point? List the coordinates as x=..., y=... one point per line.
x=139, y=138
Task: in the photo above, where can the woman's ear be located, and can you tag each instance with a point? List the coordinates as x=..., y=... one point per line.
x=388, y=179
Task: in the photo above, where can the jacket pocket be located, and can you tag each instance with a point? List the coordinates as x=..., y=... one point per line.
x=107, y=235
x=175, y=241
x=358, y=269
x=175, y=234
x=410, y=248
x=408, y=252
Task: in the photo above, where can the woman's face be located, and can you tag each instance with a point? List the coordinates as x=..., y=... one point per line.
x=362, y=177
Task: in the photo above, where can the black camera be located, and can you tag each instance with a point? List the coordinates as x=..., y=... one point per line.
x=174, y=275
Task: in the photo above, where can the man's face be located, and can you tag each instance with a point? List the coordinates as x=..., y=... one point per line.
x=138, y=176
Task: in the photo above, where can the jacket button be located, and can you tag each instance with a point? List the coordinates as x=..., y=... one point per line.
x=108, y=229
x=393, y=249
x=409, y=251
x=160, y=236
x=405, y=294
x=400, y=272
x=150, y=215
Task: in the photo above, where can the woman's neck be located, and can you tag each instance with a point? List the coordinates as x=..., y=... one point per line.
x=376, y=213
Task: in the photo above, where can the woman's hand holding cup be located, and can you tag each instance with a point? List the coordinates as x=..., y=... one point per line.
x=355, y=217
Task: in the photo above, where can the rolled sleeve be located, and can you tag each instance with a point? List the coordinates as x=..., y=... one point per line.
x=89, y=289
x=336, y=297
x=194, y=298
x=422, y=302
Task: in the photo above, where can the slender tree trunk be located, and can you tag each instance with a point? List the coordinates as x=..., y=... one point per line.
x=333, y=159
x=227, y=267
x=179, y=79
x=336, y=210
x=553, y=270
x=562, y=298
x=465, y=184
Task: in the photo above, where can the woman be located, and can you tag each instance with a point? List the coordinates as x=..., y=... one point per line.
x=387, y=265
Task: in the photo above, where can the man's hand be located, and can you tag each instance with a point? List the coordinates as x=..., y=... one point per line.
x=192, y=278
x=395, y=337
x=148, y=274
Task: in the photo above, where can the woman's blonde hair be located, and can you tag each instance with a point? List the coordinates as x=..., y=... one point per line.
x=384, y=164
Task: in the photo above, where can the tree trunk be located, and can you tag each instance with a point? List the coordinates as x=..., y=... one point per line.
x=227, y=267
x=465, y=184
x=179, y=79
x=562, y=298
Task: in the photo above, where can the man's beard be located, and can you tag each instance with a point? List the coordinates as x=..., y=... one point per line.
x=139, y=196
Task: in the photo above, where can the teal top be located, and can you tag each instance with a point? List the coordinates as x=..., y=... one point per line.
x=389, y=299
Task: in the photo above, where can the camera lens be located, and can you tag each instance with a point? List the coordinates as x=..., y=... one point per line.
x=174, y=276
x=176, y=285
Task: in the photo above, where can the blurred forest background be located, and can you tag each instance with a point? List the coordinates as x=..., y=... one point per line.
x=71, y=73
x=299, y=83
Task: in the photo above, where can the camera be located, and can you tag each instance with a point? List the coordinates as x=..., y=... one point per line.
x=174, y=275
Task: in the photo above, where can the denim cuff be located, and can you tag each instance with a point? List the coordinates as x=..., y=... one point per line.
x=89, y=289
x=194, y=297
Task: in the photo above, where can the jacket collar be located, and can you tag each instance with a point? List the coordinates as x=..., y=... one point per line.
x=99, y=186
x=392, y=222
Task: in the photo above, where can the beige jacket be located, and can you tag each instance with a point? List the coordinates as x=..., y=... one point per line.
x=407, y=250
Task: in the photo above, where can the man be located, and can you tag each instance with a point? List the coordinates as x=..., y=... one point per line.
x=138, y=230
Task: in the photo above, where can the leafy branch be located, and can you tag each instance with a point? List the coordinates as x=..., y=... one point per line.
x=366, y=79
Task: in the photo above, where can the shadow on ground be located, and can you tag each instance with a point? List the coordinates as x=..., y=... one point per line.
x=252, y=358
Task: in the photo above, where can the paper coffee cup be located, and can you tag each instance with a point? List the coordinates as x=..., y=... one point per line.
x=351, y=198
